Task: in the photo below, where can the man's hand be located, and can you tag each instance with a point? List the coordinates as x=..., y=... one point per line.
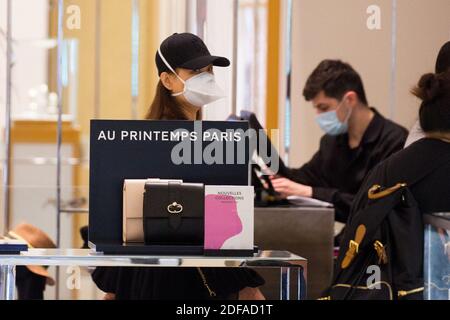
x=287, y=187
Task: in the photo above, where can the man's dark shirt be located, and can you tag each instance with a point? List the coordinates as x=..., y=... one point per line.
x=336, y=171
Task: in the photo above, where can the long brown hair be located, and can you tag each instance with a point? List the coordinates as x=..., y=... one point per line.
x=164, y=106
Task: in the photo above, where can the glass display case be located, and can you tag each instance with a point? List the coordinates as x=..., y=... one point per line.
x=36, y=99
x=437, y=257
x=42, y=175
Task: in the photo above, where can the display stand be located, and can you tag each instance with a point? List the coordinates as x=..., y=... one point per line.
x=290, y=265
x=115, y=157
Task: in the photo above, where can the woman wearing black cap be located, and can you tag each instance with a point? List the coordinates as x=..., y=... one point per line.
x=186, y=84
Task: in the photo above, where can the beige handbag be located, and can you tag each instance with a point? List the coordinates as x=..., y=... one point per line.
x=133, y=199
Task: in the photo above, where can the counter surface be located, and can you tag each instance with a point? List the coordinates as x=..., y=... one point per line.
x=88, y=257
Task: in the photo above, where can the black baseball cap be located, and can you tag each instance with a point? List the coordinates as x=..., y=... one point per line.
x=187, y=51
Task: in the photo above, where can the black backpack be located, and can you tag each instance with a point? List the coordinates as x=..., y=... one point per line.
x=381, y=256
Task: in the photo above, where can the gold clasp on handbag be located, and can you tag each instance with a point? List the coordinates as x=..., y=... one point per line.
x=353, y=246
x=381, y=252
x=375, y=192
x=174, y=208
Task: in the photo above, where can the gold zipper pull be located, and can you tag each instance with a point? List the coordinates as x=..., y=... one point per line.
x=381, y=252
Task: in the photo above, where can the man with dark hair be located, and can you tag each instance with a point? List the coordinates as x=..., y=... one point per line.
x=357, y=138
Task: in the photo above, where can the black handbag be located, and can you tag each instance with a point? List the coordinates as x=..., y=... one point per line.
x=173, y=213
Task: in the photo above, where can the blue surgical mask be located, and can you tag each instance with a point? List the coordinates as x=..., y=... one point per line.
x=330, y=123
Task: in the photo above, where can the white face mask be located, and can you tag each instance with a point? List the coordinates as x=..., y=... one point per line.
x=200, y=89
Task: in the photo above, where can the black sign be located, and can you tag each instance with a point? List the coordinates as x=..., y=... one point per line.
x=209, y=152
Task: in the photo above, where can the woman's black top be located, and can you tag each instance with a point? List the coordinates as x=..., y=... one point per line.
x=167, y=283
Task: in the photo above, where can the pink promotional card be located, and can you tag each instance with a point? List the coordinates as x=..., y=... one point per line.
x=229, y=215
